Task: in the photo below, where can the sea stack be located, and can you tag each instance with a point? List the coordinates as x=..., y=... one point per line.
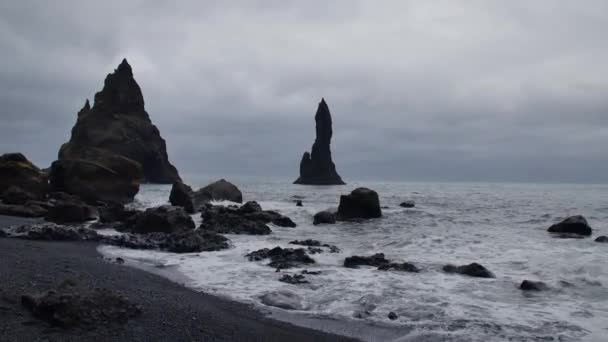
x=118, y=123
x=316, y=167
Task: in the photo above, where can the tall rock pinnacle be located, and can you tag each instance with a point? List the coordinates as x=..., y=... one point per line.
x=317, y=168
x=118, y=123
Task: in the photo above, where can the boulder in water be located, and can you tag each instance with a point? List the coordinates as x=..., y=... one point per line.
x=407, y=204
x=355, y=261
x=603, y=239
x=296, y=279
x=221, y=190
x=362, y=203
x=317, y=167
x=472, y=270
x=163, y=219
x=282, y=258
x=572, y=225
x=182, y=196
x=324, y=217
x=247, y=219
x=529, y=285
x=399, y=266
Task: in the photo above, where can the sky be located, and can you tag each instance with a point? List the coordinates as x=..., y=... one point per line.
x=475, y=90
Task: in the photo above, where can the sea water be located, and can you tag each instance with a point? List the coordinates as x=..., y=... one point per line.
x=501, y=226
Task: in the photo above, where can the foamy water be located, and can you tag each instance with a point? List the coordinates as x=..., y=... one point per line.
x=502, y=226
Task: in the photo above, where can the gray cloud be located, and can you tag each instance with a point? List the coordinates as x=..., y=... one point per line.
x=454, y=90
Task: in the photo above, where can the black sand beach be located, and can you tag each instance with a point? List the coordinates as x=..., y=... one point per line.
x=170, y=312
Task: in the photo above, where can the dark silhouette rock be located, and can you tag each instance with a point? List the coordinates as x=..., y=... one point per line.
x=192, y=241
x=221, y=190
x=572, y=225
x=602, y=239
x=407, y=204
x=96, y=175
x=529, y=285
x=282, y=258
x=299, y=203
x=402, y=267
x=247, y=219
x=315, y=243
x=163, y=219
x=182, y=196
x=16, y=170
x=73, y=211
x=118, y=123
x=16, y=195
x=317, y=167
x=326, y=217
x=362, y=203
x=68, y=306
x=375, y=260
x=392, y=316
x=472, y=270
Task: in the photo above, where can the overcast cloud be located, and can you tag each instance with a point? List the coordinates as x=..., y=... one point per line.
x=418, y=90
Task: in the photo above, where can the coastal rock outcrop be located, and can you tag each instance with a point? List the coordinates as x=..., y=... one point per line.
x=361, y=203
x=221, y=190
x=163, y=219
x=118, y=123
x=192, y=241
x=572, y=225
x=96, y=175
x=182, y=196
x=317, y=167
x=247, y=219
x=17, y=171
x=471, y=270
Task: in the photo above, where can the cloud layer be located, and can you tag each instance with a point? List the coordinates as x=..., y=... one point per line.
x=439, y=90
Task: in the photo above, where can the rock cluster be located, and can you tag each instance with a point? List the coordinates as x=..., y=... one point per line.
x=247, y=219
x=378, y=260
x=317, y=167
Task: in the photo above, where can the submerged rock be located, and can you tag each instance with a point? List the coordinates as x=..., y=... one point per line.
x=119, y=124
x=529, y=285
x=282, y=258
x=221, y=190
x=294, y=280
x=284, y=300
x=96, y=175
x=163, y=219
x=603, y=239
x=324, y=217
x=182, y=196
x=407, y=204
x=572, y=225
x=68, y=306
x=403, y=267
x=317, y=167
x=361, y=203
x=16, y=170
x=472, y=270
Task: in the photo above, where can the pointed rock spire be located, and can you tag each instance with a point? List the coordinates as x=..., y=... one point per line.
x=124, y=68
x=317, y=167
x=120, y=93
x=85, y=109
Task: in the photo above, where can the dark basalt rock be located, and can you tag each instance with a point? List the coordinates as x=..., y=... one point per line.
x=163, y=219
x=16, y=195
x=375, y=260
x=52, y=232
x=221, y=190
x=324, y=217
x=193, y=241
x=472, y=270
x=68, y=306
x=282, y=258
x=362, y=203
x=392, y=316
x=407, y=204
x=95, y=175
x=317, y=167
x=115, y=212
x=73, y=211
x=572, y=225
x=182, y=196
x=248, y=219
x=315, y=243
x=28, y=210
x=529, y=285
x=299, y=203
x=16, y=170
x=294, y=280
x=403, y=267
x=118, y=123
x=603, y=239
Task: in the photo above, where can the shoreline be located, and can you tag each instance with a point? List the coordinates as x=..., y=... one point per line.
x=171, y=312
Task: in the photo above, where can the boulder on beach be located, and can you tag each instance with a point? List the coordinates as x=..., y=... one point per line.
x=96, y=175
x=572, y=225
x=221, y=190
x=603, y=239
x=471, y=270
x=192, y=241
x=163, y=219
x=284, y=300
x=182, y=196
x=361, y=203
x=119, y=124
x=69, y=306
x=17, y=171
x=529, y=285
x=324, y=217
x=317, y=167
x=74, y=211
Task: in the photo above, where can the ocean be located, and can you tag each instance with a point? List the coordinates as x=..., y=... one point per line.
x=502, y=226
